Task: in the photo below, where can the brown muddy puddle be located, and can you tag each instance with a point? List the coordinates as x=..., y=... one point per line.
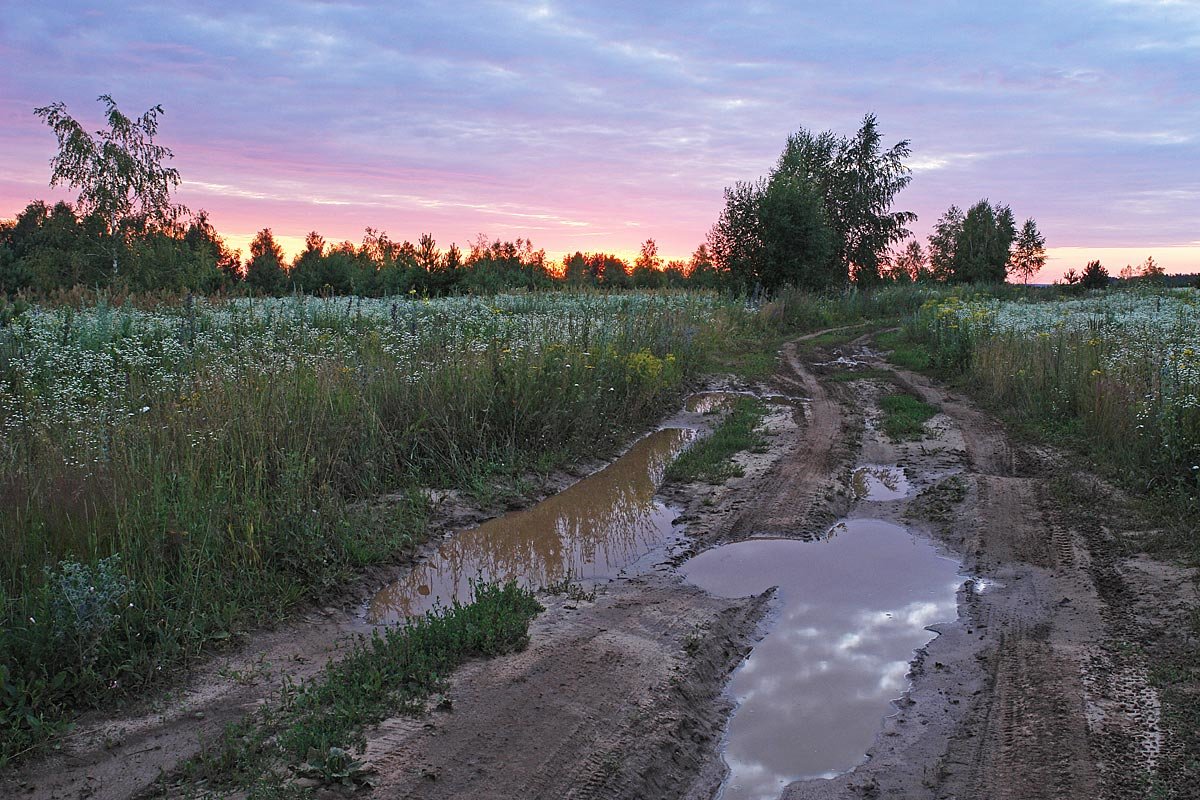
x=711, y=402
x=605, y=524
x=850, y=610
x=879, y=482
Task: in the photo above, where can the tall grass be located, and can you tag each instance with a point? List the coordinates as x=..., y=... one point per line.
x=230, y=456
x=1118, y=371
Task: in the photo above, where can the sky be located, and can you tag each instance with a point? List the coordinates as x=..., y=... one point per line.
x=594, y=126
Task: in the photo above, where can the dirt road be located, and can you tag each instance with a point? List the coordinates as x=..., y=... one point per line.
x=1036, y=691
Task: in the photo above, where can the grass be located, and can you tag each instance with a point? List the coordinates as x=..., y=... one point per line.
x=904, y=416
x=316, y=728
x=904, y=351
x=710, y=459
x=1114, y=376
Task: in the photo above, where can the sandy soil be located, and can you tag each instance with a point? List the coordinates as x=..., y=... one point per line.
x=1031, y=693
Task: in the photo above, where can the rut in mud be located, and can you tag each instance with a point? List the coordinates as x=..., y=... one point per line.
x=1028, y=693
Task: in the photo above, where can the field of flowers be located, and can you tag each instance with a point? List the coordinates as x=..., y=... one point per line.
x=1120, y=368
x=170, y=473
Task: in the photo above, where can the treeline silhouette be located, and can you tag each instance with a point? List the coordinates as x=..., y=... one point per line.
x=51, y=248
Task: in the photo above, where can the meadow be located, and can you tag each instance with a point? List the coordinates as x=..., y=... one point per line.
x=1116, y=373
x=174, y=472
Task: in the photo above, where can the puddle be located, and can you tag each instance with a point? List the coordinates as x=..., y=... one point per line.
x=592, y=530
x=879, y=482
x=842, y=362
x=708, y=402
x=850, y=611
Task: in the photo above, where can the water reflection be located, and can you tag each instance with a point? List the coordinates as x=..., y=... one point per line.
x=591, y=530
x=709, y=402
x=879, y=482
x=853, y=608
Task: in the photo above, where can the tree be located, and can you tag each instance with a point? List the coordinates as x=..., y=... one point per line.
x=943, y=243
x=428, y=256
x=1151, y=269
x=647, y=268
x=119, y=172
x=823, y=215
x=909, y=264
x=982, y=251
x=735, y=241
x=702, y=271
x=575, y=269
x=1029, y=255
x=675, y=273
x=799, y=246
x=204, y=241
x=975, y=247
x=264, y=272
x=1094, y=276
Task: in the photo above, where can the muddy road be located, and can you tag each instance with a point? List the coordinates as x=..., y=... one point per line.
x=1025, y=682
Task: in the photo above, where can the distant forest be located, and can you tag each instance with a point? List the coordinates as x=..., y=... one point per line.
x=821, y=220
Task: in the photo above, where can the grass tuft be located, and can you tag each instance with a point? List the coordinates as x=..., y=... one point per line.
x=710, y=458
x=904, y=416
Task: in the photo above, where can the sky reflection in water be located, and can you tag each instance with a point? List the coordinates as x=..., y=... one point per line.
x=591, y=530
x=851, y=609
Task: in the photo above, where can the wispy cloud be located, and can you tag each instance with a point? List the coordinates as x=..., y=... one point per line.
x=573, y=119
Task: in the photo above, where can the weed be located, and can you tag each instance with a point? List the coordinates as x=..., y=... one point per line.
x=851, y=375
x=569, y=587
x=904, y=351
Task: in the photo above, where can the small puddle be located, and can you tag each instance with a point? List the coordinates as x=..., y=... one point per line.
x=592, y=530
x=879, y=482
x=709, y=402
x=851, y=609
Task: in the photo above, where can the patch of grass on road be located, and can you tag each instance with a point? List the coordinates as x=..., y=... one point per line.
x=904, y=416
x=316, y=726
x=709, y=459
x=905, y=352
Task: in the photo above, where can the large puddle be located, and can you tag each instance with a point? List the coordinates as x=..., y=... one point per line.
x=851, y=609
x=594, y=529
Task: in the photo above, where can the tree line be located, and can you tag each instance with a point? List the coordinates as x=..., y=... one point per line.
x=822, y=219
x=48, y=248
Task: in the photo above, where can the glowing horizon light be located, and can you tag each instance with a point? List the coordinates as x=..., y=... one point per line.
x=589, y=128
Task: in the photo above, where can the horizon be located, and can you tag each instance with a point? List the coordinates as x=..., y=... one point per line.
x=592, y=130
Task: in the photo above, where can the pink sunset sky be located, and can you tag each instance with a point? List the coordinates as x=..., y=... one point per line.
x=593, y=126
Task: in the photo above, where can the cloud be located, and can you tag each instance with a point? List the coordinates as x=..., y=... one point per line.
x=587, y=115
